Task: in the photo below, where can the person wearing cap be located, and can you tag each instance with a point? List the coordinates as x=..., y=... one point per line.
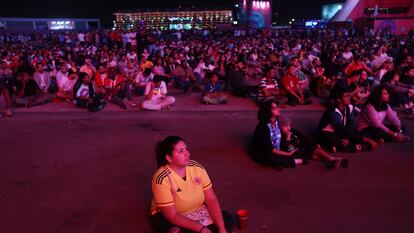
x=156, y=95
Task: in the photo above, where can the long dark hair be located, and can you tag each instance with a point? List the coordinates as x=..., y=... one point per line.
x=265, y=111
x=79, y=81
x=164, y=148
x=375, y=99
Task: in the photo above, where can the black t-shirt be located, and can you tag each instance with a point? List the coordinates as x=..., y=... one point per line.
x=30, y=89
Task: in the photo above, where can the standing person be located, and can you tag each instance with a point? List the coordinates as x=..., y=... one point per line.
x=183, y=196
x=156, y=95
x=6, y=76
x=376, y=113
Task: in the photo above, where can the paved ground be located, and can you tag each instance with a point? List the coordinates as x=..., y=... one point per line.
x=66, y=170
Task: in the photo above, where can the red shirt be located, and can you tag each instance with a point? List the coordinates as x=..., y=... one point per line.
x=109, y=83
x=291, y=82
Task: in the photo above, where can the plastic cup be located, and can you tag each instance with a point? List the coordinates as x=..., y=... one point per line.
x=242, y=217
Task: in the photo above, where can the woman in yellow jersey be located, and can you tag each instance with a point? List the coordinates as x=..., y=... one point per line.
x=183, y=196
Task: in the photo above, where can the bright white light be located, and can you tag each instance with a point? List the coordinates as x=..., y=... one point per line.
x=293, y=20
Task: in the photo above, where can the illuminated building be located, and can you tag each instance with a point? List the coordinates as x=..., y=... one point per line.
x=38, y=24
x=166, y=20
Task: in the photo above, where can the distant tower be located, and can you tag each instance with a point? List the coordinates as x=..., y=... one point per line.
x=258, y=13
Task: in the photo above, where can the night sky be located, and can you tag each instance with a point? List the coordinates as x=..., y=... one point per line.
x=286, y=9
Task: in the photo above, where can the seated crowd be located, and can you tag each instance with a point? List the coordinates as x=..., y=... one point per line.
x=93, y=68
x=361, y=76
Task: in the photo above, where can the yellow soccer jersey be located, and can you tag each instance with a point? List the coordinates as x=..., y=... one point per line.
x=189, y=193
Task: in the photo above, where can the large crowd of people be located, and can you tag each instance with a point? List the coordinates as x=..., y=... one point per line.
x=363, y=77
x=288, y=65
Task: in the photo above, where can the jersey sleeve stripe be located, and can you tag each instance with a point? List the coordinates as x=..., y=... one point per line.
x=165, y=204
x=207, y=186
x=160, y=179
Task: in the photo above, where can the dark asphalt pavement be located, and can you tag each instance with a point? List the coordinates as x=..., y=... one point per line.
x=83, y=172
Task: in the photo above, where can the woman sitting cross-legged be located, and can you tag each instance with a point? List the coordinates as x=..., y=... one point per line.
x=379, y=121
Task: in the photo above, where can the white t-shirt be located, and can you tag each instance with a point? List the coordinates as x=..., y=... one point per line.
x=63, y=81
x=157, y=93
x=81, y=37
x=83, y=91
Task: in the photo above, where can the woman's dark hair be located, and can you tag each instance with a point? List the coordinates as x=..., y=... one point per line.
x=389, y=76
x=79, y=81
x=164, y=148
x=265, y=111
x=375, y=99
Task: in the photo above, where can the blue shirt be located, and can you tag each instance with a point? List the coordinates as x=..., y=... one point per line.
x=275, y=135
